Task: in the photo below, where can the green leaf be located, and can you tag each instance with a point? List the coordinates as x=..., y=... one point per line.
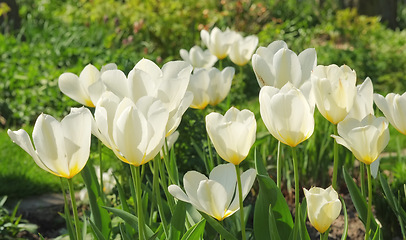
x=195, y=232
x=96, y=231
x=302, y=221
x=270, y=194
x=345, y=231
x=99, y=216
x=218, y=227
x=358, y=200
x=178, y=220
x=130, y=219
x=273, y=229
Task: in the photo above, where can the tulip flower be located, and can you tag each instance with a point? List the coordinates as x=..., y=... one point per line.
x=87, y=88
x=198, y=58
x=287, y=114
x=199, y=85
x=232, y=134
x=139, y=130
x=62, y=148
x=168, y=84
x=334, y=91
x=276, y=65
x=218, y=42
x=366, y=139
x=323, y=207
x=242, y=49
x=216, y=195
x=220, y=84
x=393, y=107
x=363, y=103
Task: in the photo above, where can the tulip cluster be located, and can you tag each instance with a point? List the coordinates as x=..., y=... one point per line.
x=137, y=115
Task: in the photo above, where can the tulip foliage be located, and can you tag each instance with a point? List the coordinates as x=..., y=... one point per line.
x=136, y=116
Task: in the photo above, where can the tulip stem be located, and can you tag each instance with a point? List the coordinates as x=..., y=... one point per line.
x=157, y=193
x=74, y=209
x=99, y=148
x=362, y=178
x=278, y=167
x=135, y=172
x=211, y=161
x=296, y=173
x=369, y=215
x=324, y=236
x=66, y=210
x=335, y=168
x=237, y=169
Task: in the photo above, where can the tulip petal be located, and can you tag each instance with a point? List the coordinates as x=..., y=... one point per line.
x=22, y=139
x=225, y=175
x=287, y=68
x=191, y=181
x=48, y=138
x=178, y=193
x=116, y=82
x=77, y=131
x=71, y=86
x=149, y=67
x=213, y=198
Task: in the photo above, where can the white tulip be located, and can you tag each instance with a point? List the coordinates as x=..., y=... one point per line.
x=218, y=42
x=276, y=65
x=168, y=84
x=232, y=134
x=220, y=84
x=217, y=195
x=199, y=85
x=198, y=58
x=139, y=129
x=334, y=91
x=393, y=107
x=363, y=102
x=323, y=207
x=287, y=114
x=366, y=139
x=87, y=88
x=242, y=49
x=62, y=148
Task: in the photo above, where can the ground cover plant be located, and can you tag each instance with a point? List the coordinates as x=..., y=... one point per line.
x=51, y=70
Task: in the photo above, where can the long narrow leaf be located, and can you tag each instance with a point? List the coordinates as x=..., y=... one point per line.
x=270, y=194
x=99, y=216
x=96, y=231
x=178, y=220
x=358, y=200
x=196, y=231
x=345, y=231
x=131, y=219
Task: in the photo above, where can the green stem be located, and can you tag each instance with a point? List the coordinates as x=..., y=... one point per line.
x=135, y=172
x=335, y=169
x=74, y=209
x=296, y=173
x=278, y=166
x=99, y=148
x=324, y=236
x=211, y=161
x=157, y=193
x=222, y=224
x=369, y=215
x=237, y=169
x=164, y=185
x=362, y=178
